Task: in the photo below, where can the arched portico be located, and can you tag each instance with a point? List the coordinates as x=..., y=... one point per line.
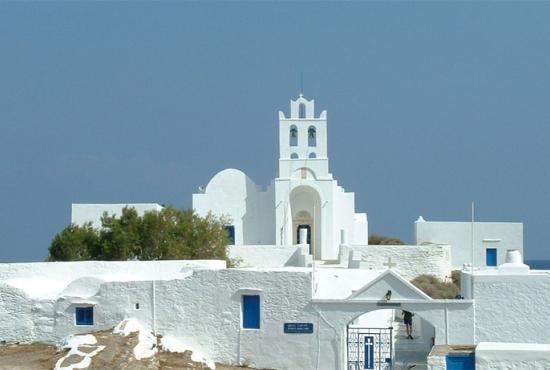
x=306, y=212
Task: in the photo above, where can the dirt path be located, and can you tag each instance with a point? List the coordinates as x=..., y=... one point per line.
x=118, y=354
x=28, y=357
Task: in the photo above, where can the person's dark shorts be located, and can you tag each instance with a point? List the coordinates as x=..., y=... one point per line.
x=408, y=320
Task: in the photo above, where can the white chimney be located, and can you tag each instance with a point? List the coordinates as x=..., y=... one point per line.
x=514, y=264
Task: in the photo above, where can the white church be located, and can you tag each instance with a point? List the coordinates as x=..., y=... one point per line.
x=309, y=293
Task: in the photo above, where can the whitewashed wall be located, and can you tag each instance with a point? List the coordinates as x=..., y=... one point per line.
x=137, y=270
x=82, y=213
x=204, y=310
x=499, y=235
x=232, y=193
x=411, y=260
x=265, y=255
x=512, y=356
x=437, y=362
x=512, y=308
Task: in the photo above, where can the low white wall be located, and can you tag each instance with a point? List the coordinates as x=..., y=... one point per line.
x=265, y=255
x=512, y=356
x=138, y=270
x=202, y=309
x=410, y=260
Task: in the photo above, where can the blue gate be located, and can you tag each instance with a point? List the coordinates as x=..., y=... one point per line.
x=461, y=362
x=370, y=348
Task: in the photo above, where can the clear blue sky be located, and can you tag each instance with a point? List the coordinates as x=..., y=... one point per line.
x=431, y=105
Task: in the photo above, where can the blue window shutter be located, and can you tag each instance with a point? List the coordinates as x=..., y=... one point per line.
x=251, y=311
x=231, y=234
x=491, y=257
x=84, y=315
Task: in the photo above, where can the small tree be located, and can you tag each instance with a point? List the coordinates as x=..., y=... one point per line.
x=74, y=243
x=375, y=239
x=157, y=235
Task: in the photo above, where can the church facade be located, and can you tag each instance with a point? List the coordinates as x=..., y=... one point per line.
x=303, y=196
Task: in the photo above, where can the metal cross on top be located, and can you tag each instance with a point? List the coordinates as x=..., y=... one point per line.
x=390, y=264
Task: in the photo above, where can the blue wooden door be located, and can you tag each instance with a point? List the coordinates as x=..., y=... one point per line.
x=461, y=362
x=491, y=257
x=251, y=311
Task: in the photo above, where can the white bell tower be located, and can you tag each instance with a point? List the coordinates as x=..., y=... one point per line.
x=303, y=141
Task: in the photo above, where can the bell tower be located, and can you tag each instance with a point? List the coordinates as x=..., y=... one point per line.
x=303, y=140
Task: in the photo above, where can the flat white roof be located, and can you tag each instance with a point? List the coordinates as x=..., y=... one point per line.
x=341, y=283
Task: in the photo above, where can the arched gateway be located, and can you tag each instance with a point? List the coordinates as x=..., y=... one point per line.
x=451, y=321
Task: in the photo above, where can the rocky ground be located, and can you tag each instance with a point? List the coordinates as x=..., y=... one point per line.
x=117, y=354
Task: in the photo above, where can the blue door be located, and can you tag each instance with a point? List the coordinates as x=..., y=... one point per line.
x=491, y=257
x=461, y=362
x=251, y=311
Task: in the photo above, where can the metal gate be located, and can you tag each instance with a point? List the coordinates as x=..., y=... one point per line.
x=370, y=348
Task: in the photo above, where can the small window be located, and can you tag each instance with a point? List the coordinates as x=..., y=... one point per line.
x=137, y=306
x=293, y=136
x=491, y=257
x=312, y=155
x=311, y=136
x=251, y=311
x=302, y=111
x=294, y=156
x=84, y=315
x=230, y=234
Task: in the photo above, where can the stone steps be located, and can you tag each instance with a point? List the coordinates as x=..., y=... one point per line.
x=402, y=344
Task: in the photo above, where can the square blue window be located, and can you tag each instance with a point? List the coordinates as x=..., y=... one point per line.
x=84, y=315
x=251, y=311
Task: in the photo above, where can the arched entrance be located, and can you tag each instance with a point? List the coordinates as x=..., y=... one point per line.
x=305, y=207
x=379, y=340
x=447, y=321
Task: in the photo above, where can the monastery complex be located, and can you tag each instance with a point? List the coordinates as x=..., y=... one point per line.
x=309, y=292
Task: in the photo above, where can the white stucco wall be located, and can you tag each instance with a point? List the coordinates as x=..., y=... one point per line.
x=66, y=272
x=82, y=213
x=411, y=260
x=512, y=356
x=265, y=255
x=511, y=308
x=203, y=308
x=499, y=235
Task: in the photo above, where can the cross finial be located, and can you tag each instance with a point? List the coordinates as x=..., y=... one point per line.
x=390, y=264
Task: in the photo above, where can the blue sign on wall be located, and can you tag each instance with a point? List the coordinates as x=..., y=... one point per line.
x=369, y=352
x=298, y=328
